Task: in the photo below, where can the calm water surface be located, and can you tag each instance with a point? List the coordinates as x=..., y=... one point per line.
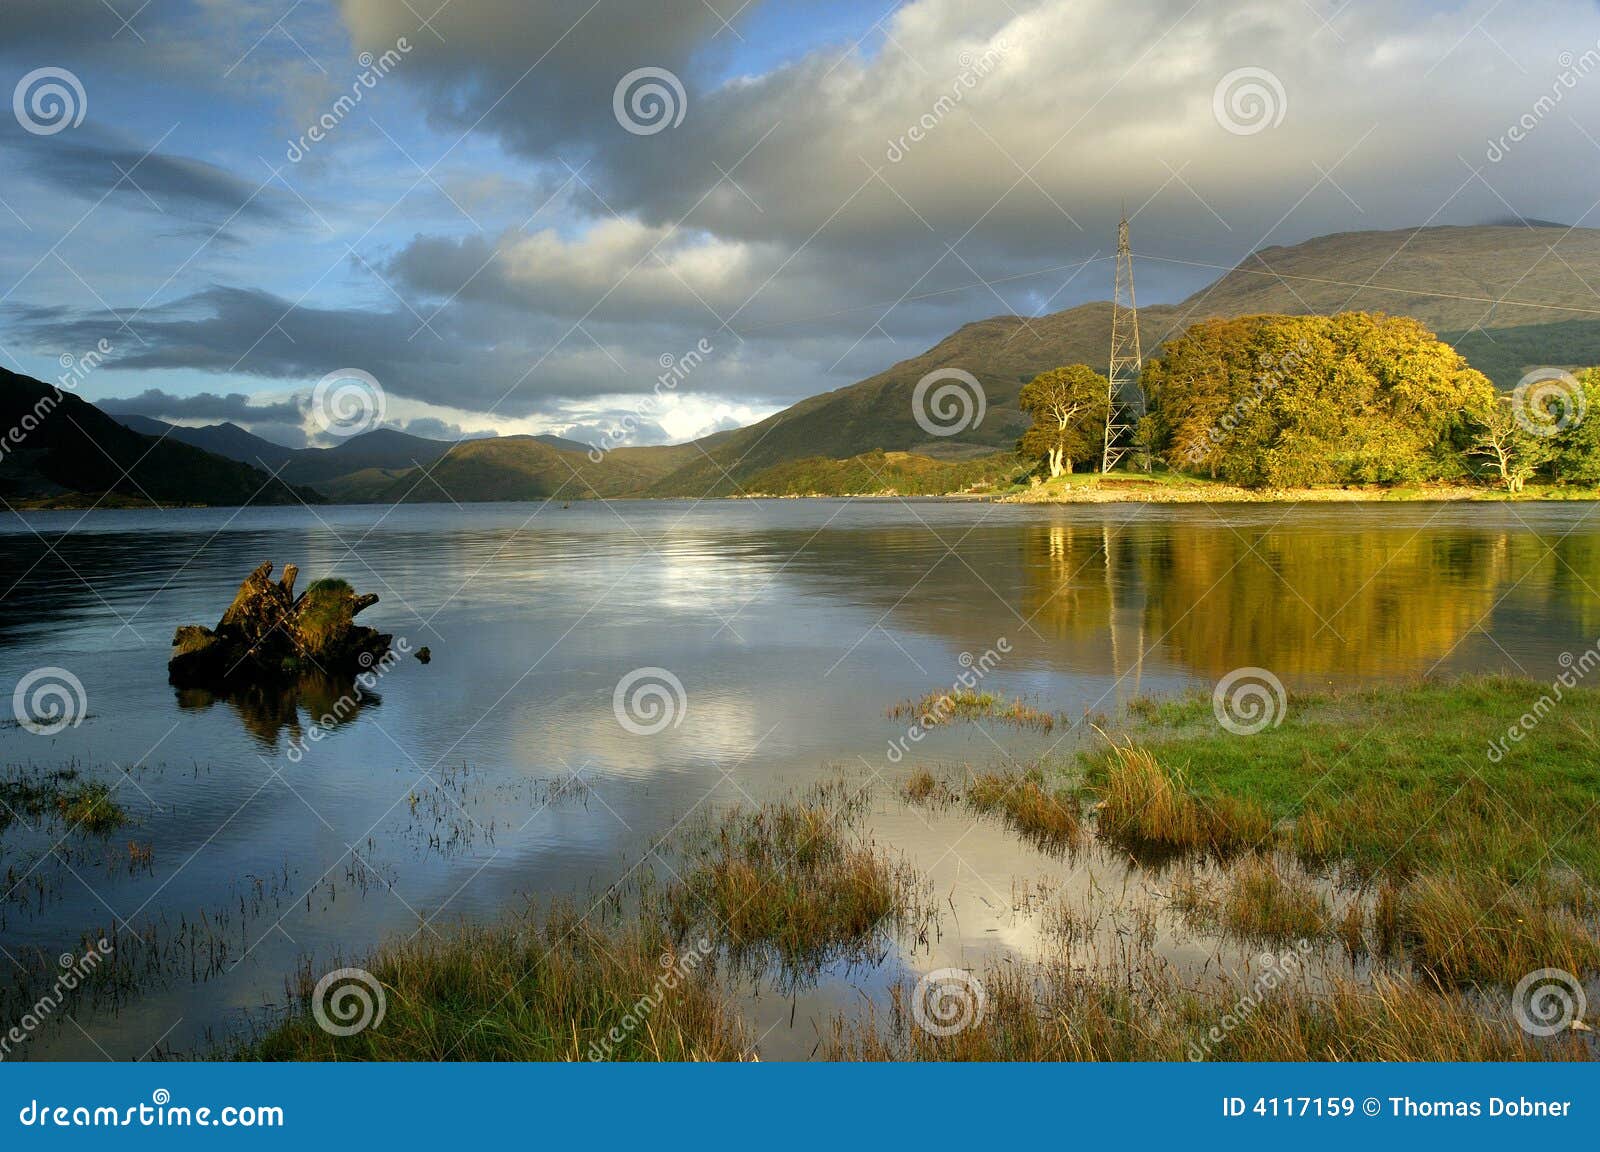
x=792, y=626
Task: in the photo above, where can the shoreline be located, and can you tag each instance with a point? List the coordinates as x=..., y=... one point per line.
x=1092, y=492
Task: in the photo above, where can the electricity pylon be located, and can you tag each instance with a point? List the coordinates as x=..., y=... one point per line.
x=1125, y=399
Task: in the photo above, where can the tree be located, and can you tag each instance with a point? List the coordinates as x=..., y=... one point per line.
x=1577, y=446
x=1068, y=406
x=1512, y=452
x=1297, y=401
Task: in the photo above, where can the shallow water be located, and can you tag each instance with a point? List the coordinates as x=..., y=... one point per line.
x=792, y=626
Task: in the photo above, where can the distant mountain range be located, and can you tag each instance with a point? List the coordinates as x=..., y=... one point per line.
x=1500, y=293
x=60, y=450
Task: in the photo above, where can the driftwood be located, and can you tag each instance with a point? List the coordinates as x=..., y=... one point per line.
x=269, y=633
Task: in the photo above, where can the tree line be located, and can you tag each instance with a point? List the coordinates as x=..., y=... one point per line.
x=1304, y=401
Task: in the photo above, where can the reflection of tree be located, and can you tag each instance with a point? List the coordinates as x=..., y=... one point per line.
x=266, y=710
x=1322, y=595
x=1310, y=603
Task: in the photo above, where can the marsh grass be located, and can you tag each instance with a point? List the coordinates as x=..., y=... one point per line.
x=1482, y=930
x=1145, y=806
x=1394, y=779
x=1050, y=1012
x=788, y=882
x=922, y=787
x=1262, y=903
x=86, y=805
x=938, y=708
x=557, y=988
x=1049, y=818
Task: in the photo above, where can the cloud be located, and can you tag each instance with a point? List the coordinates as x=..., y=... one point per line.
x=92, y=166
x=816, y=214
x=456, y=358
x=204, y=406
x=433, y=428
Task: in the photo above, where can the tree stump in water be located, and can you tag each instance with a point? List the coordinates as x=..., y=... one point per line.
x=268, y=632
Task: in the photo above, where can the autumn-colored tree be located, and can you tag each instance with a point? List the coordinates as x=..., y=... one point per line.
x=1068, y=406
x=1296, y=401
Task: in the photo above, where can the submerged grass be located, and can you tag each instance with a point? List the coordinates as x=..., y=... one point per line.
x=1462, y=930
x=1263, y=904
x=87, y=805
x=1049, y=818
x=786, y=881
x=938, y=708
x=1052, y=1013
x=559, y=988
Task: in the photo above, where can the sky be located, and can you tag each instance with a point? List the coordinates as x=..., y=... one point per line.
x=514, y=217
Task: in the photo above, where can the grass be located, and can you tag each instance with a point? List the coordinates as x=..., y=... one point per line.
x=1052, y=1013
x=1049, y=818
x=786, y=882
x=922, y=787
x=1390, y=780
x=1480, y=930
x=1145, y=806
x=1262, y=904
x=938, y=708
x=83, y=804
x=553, y=989
x=1485, y=866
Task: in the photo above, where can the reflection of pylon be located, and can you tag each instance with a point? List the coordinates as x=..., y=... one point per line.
x=1125, y=405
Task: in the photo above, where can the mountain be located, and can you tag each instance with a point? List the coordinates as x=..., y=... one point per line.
x=1510, y=296
x=59, y=449
x=354, y=467
x=521, y=468
x=228, y=440
x=1509, y=300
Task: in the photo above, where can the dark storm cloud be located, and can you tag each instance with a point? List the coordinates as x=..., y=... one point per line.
x=460, y=359
x=90, y=166
x=207, y=406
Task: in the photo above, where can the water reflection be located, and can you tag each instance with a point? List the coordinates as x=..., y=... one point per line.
x=268, y=710
x=793, y=626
